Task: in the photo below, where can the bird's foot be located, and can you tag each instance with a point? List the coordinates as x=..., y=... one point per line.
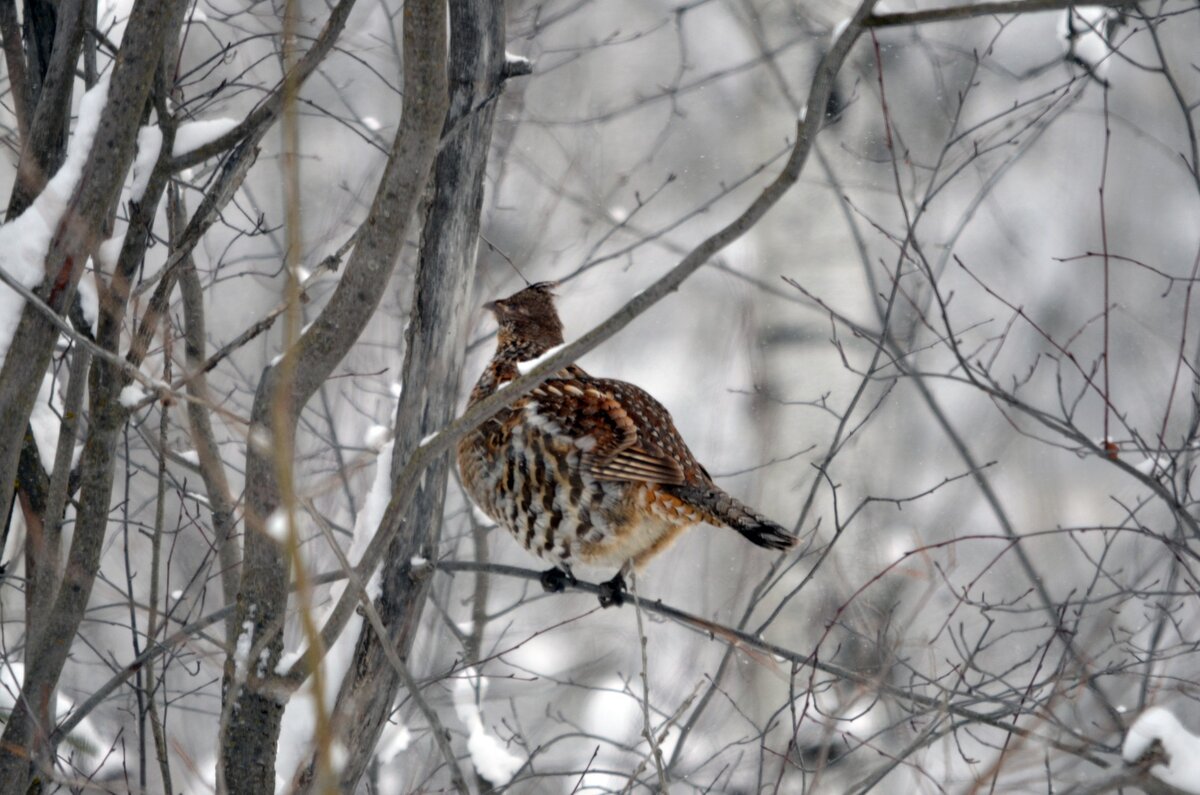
x=612, y=592
x=556, y=580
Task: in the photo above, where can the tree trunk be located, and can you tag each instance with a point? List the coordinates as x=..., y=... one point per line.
x=433, y=364
x=79, y=233
x=250, y=736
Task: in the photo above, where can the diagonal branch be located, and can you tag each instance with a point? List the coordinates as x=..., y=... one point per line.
x=410, y=477
x=957, y=13
x=266, y=114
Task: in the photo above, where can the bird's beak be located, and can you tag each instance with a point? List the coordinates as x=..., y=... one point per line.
x=490, y=306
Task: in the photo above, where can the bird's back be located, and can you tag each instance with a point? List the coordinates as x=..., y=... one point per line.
x=578, y=471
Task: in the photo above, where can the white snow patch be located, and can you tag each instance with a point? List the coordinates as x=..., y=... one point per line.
x=287, y=660
x=113, y=15
x=260, y=439
x=1153, y=464
x=110, y=251
x=429, y=438
x=191, y=456
x=241, y=651
x=394, y=739
x=512, y=59
x=525, y=367
x=396, y=388
x=25, y=240
x=376, y=437
x=491, y=759
x=44, y=422
x=613, y=710
x=89, y=299
x=278, y=525
x=371, y=513
x=376, y=503
x=1182, y=768
x=371, y=123
x=149, y=144
x=192, y=135
x=481, y=517
x=417, y=561
x=839, y=29
x=176, y=595
x=1082, y=30
x=199, y=498
x=132, y=395
x=337, y=757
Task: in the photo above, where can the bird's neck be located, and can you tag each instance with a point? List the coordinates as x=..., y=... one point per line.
x=503, y=366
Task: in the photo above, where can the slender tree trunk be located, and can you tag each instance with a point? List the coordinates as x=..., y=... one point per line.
x=433, y=363
x=250, y=736
x=52, y=39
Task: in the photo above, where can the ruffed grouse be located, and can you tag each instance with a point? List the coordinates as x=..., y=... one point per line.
x=585, y=469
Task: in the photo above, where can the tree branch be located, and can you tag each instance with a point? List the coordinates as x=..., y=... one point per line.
x=959, y=13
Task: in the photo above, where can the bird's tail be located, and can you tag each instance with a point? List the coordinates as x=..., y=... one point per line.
x=721, y=509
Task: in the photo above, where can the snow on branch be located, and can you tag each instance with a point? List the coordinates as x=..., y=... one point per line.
x=192, y=135
x=1086, y=33
x=1181, y=768
x=25, y=240
x=491, y=759
x=189, y=136
x=516, y=65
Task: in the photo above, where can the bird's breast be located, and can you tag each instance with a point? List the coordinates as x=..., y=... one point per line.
x=533, y=479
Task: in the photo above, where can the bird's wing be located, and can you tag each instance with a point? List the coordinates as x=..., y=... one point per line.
x=624, y=433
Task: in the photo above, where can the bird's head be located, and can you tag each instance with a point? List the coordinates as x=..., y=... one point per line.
x=529, y=324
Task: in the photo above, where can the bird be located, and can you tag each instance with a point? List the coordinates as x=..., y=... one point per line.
x=587, y=470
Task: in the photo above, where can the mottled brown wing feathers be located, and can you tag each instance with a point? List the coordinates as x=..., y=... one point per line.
x=638, y=464
x=622, y=423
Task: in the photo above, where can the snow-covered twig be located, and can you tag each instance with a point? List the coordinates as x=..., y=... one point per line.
x=1181, y=767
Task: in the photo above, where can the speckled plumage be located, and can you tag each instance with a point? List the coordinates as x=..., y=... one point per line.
x=584, y=469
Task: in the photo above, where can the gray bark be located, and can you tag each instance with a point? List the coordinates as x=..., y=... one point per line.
x=81, y=230
x=51, y=40
x=212, y=468
x=83, y=225
x=251, y=734
x=432, y=367
x=53, y=37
